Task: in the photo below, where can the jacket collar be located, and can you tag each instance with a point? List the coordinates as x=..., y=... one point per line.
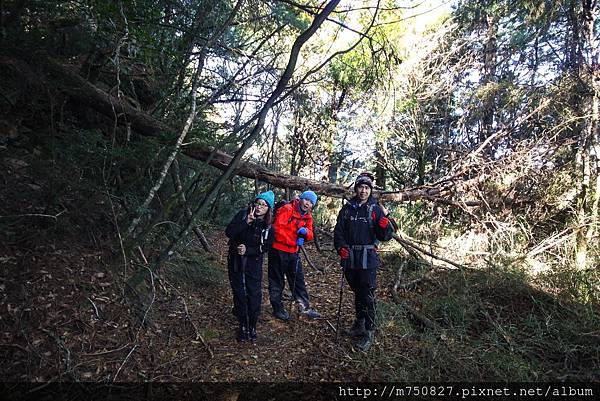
x=296, y=209
x=355, y=203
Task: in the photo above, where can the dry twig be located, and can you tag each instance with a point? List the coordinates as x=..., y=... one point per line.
x=95, y=307
x=107, y=352
x=124, y=362
x=61, y=344
x=310, y=263
x=408, y=244
x=198, y=335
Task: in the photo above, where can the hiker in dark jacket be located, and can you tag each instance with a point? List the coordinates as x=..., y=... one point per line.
x=361, y=224
x=250, y=236
x=293, y=225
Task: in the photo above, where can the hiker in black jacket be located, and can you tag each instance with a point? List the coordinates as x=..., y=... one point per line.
x=250, y=236
x=361, y=224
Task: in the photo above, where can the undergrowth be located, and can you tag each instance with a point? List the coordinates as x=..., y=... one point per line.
x=194, y=272
x=490, y=324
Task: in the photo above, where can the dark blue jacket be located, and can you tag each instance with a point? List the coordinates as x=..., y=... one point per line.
x=357, y=228
x=257, y=237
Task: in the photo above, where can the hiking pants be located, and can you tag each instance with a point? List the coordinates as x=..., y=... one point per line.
x=247, y=298
x=363, y=283
x=282, y=265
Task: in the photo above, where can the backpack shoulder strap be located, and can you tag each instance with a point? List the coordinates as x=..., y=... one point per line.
x=370, y=215
x=346, y=211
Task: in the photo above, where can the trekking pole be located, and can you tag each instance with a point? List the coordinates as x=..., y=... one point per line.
x=243, y=258
x=339, y=311
x=294, y=281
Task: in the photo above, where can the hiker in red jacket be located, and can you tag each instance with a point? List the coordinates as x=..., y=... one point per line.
x=293, y=226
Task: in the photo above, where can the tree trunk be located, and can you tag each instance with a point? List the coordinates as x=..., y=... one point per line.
x=589, y=144
x=490, y=55
x=380, y=163
x=260, y=121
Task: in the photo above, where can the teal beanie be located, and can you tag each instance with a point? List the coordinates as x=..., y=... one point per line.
x=310, y=195
x=268, y=197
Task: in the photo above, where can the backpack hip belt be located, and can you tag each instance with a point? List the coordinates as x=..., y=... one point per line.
x=365, y=249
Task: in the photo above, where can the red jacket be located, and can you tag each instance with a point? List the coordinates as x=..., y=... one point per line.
x=287, y=222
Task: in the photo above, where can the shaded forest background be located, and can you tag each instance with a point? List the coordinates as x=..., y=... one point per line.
x=131, y=132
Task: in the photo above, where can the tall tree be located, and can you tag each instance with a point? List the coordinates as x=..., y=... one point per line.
x=585, y=28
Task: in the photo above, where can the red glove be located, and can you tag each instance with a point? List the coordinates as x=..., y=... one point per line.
x=383, y=222
x=344, y=253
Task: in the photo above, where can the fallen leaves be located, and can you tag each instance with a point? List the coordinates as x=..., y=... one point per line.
x=58, y=281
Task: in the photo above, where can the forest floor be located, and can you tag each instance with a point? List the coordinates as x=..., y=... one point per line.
x=64, y=315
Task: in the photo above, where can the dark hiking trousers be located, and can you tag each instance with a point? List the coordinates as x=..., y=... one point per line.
x=363, y=282
x=246, y=300
x=284, y=265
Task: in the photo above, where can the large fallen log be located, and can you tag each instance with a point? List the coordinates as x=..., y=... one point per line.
x=67, y=80
x=221, y=160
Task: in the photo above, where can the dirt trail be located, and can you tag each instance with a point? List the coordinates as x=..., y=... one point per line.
x=299, y=350
x=63, y=318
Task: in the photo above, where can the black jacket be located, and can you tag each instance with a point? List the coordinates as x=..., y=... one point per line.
x=358, y=225
x=257, y=237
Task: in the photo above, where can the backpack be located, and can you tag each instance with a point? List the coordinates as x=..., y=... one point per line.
x=278, y=206
x=369, y=214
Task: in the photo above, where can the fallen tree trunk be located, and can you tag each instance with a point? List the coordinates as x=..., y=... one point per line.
x=83, y=92
x=221, y=160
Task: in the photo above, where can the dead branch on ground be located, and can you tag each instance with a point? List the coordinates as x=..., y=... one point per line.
x=310, y=263
x=198, y=335
x=409, y=244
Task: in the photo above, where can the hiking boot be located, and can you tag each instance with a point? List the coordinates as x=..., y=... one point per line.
x=309, y=312
x=357, y=329
x=366, y=341
x=252, y=333
x=242, y=334
x=282, y=315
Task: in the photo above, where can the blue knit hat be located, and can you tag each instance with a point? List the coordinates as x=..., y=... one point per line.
x=268, y=197
x=310, y=195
